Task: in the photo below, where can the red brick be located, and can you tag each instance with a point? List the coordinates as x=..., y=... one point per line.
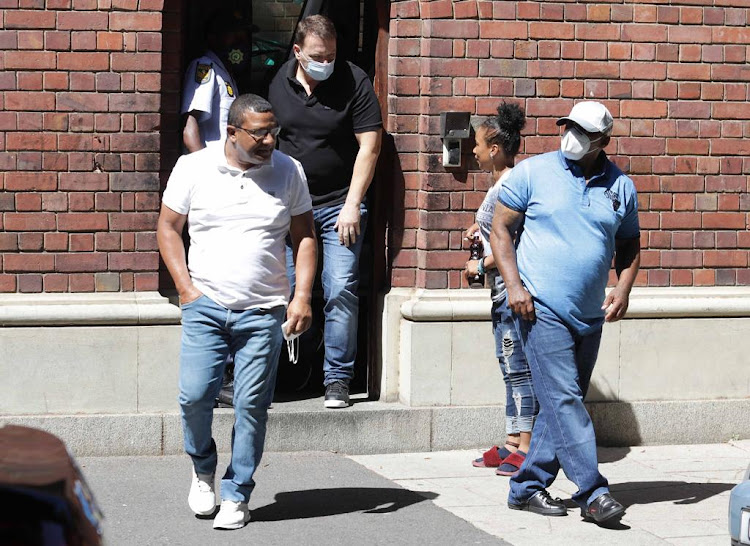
x=30, y=242
x=135, y=21
x=82, y=20
x=126, y=5
x=681, y=258
x=55, y=241
x=141, y=221
x=29, y=222
x=725, y=258
x=724, y=220
x=55, y=282
x=30, y=181
x=83, y=61
x=55, y=81
x=82, y=102
x=146, y=62
x=680, y=220
x=29, y=60
x=83, y=41
x=503, y=30
x=465, y=9
x=436, y=9
x=556, y=31
x=133, y=261
x=29, y=19
x=28, y=262
x=134, y=102
x=82, y=282
x=689, y=35
x=644, y=33
x=82, y=222
x=80, y=262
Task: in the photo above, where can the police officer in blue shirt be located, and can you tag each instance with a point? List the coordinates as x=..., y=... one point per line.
x=579, y=211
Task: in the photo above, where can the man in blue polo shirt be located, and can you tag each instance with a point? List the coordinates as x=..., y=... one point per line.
x=579, y=211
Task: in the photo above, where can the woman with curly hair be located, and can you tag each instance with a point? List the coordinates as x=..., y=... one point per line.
x=497, y=142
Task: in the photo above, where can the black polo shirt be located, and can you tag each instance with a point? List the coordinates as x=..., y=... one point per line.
x=318, y=130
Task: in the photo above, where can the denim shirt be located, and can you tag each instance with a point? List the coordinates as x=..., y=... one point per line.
x=565, y=251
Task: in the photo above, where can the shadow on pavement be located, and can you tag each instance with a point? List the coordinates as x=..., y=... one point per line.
x=681, y=492
x=314, y=503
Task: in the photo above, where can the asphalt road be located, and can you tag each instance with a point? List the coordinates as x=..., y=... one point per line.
x=301, y=498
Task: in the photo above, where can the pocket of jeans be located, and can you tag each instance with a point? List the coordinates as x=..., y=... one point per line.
x=191, y=303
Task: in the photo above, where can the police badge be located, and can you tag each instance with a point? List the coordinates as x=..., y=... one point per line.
x=230, y=91
x=202, y=72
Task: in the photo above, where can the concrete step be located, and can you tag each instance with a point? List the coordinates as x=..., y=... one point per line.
x=369, y=427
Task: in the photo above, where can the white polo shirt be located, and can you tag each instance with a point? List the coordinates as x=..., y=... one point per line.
x=238, y=221
x=210, y=90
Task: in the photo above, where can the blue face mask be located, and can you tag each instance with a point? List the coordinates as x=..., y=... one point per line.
x=317, y=71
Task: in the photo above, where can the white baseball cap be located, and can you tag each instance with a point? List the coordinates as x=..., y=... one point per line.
x=592, y=116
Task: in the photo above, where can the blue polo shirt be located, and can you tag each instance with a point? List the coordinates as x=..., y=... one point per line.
x=568, y=242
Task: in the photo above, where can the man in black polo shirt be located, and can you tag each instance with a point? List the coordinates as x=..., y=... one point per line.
x=330, y=122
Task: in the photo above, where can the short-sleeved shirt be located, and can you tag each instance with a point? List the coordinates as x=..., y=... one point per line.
x=238, y=221
x=318, y=130
x=209, y=90
x=565, y=252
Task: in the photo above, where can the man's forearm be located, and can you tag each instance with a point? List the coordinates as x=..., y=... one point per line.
x=504, y=252
x=305, y=265
x=173, y=253
x=364, y=169
x=627, y=263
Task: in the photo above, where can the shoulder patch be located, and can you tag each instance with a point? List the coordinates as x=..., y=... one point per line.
x=202, y=72
x=230, y=91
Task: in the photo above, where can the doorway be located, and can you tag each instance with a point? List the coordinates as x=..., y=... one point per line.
x=270, y=26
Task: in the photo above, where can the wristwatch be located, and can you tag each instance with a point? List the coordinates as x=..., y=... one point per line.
x=480, y=266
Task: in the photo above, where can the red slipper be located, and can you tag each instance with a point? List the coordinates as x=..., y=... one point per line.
x=490, y=458
x=511, y=464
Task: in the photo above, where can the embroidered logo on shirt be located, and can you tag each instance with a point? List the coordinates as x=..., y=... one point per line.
x=230, y=91
x=202, y=73
x=614, y=198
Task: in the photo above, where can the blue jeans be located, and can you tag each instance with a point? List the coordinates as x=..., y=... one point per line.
x=209, y=334
x=561, y=363
x=340, y=279
x=520, y=401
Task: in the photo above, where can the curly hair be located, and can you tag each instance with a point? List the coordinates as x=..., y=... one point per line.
x=505, y=128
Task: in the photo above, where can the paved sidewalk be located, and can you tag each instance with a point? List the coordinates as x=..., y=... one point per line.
x=305, y=498
x=676, y=495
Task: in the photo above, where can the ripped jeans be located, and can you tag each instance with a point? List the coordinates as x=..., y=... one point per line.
x=521, y=405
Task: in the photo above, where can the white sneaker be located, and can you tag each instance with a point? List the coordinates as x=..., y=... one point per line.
x=232, y=515
x=202, y=499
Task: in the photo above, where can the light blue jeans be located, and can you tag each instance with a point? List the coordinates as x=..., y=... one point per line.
x=561, y=363
x=521, y=405
x=340, y=279
x=209, y=334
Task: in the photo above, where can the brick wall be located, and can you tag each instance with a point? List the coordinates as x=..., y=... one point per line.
x=673, y=74
x=81, y=144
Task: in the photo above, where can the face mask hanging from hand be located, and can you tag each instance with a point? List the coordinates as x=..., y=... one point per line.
x=317, y=71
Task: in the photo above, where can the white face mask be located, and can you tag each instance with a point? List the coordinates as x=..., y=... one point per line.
x=575, y=144
x=317, y=71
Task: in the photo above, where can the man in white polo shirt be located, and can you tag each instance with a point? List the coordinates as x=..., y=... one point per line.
x=240, y=199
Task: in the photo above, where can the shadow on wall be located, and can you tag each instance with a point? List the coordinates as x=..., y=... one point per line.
x=392, y=195
x=615, y=422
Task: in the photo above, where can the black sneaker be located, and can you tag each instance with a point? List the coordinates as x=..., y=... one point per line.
x=337, y=395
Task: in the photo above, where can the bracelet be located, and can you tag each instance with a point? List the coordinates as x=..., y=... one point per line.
x=480, y=266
